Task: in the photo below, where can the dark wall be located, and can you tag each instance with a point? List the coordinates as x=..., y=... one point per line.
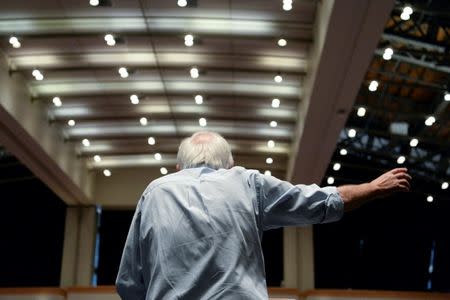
x=31, y=229
x=386, y=244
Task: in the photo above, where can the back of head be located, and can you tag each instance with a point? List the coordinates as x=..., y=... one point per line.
x=205, y=148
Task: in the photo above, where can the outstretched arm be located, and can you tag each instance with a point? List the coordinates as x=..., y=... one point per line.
x=395, y=180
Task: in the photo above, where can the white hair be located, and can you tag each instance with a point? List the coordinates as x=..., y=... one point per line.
x=205, y=148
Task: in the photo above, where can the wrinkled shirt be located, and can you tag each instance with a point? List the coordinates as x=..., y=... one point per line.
x=196, y=234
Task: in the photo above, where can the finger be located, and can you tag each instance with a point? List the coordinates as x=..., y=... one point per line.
x=399, y=170
x=404, y=188
x=404, y=176
x=404, y=182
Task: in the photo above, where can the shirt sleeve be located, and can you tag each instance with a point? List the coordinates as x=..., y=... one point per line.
x=129, y=282
x=284, y=204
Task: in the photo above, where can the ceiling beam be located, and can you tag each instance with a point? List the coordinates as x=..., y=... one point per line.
x=345, y=41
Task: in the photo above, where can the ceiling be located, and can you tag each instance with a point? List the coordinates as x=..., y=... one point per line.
x=235, y=49
x=393, y=122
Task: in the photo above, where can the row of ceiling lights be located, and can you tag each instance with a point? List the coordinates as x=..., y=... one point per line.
x=287, y=4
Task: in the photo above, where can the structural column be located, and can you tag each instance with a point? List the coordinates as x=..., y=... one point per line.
x=79, y=246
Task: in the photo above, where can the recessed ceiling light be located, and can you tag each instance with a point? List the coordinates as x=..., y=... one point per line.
x=413, y=142
x=287, y=5
x=151, y=140
x=276, y=103
x=343, y=152
x=97, y=158
x=361, y=112
x=337, y=166
x=273, y=124
x=282, y=42
x=447, y=96
x=14, y=41
x=134, y=99
x=198, y=99
x=110, y=40
x=270, y=144
x=202, y=122
x=57, y=101
x=123, y=72
x=444, y=185
x=106, y=172
x=163, y=171
x=430, y=121
x=388, y=52
x=373, y=85
x=351, y=133
x=278, y=78
x=430, y=198
x=86, y=142
x=330, y=180
x=143, y=121
x=182, y=3
x=401, y=159
x=158, y=156
x=94, y=2
x=268, y=173
x=269, y=160
x=37, y=74
x=71, y=122
x=189, y=40
x=194, y=72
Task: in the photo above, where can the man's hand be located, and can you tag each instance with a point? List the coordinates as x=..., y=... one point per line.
x=396, y=180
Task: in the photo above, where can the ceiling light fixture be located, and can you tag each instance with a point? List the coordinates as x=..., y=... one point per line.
x=151, y=140
x=287, y=5
x=343, y=152
x=97, y=158
x=57, y=101
x=163, y=171
x=430, y=198
x=189, y=40
x=414, y=142
x=71, y=122
x=14, y=41
x=143, y=121
x=388, y=52
x=86, y=142
x=267, y=173
x=337, y=166
x=269, y=160
x=406, y=13
x=106, y=172
x=373, y=86
x=198, y=99
x=123, y=72
x=94, y=2
x=276, y=103
x=447, y=96
x=37, y=74
x=182, y=3
x=351, y=133
x=194, y=72
x=202, y=122
x=330, y=180
x=278, y=78
x=270, y=144
x=110, y=40
x=444, y=185
x=273, y=124
x=158, y=156
x=361, y=112
x=282, y=42
x=134, y=99
x=430, y=121
x=401, y=159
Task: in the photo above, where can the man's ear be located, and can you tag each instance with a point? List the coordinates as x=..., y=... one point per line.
x=178, y=167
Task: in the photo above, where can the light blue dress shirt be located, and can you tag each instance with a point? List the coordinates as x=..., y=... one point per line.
x=196, y=234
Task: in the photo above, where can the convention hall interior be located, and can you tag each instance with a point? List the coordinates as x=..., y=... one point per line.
x=96, y=95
